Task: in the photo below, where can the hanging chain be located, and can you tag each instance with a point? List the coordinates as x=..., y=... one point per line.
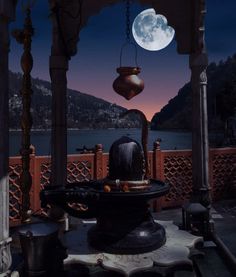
x=128, y=31
x=127, y=20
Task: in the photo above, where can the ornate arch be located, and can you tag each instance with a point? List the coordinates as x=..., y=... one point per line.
x=185, y=16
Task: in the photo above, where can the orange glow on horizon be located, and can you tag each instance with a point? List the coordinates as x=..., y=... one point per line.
x=148, y=110
x=146, y=102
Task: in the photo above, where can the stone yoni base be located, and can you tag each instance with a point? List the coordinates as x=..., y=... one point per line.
x=174, y=254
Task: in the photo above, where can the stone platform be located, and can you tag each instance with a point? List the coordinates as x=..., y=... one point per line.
x=173, y=256
x=212, y=264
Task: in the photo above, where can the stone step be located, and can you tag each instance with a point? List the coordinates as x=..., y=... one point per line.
x=211, y=265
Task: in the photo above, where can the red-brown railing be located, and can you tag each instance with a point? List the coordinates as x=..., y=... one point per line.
x=175, y=167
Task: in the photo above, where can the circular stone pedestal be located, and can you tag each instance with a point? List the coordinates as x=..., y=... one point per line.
x=127, y=235
x=124, y=222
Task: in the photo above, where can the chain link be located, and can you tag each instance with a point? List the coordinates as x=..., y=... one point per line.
x=128, y=31
x=128, y=20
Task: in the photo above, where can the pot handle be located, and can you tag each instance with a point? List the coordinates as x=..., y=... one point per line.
x=136, y=52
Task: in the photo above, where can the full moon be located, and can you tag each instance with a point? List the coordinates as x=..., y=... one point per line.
x=151, y=30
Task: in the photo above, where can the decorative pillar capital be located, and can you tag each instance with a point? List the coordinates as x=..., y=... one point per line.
x=198, y=64
x=98, y=148
x=156, y=145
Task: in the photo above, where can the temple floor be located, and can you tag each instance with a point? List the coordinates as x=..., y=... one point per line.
x=212, y=264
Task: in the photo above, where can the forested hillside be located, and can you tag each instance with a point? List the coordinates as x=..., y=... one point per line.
x=221, y=100
x=84, y=111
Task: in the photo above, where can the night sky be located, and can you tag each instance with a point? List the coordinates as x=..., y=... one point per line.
x=93, y=69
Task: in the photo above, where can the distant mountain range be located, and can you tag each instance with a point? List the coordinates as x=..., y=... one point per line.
x=221, y=100
x=84, y=111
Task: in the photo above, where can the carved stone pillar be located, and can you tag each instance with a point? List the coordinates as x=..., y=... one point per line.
x=58, y=68
x=7, y=12
x=201, y=188
x=198, y=62
x=66, y=23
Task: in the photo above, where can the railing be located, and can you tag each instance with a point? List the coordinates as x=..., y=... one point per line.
x=175, y=167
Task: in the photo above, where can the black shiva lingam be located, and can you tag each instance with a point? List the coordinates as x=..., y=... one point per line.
x=118, y=202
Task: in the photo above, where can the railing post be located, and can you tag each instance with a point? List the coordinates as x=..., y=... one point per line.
x=210, y=170
x=157, y=173
x=32, y=173
x=98, y=162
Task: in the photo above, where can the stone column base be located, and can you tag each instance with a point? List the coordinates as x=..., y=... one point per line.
x=5, y=256
x=10, y=274
x=15, y=274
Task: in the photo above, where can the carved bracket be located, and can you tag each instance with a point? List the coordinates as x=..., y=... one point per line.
x=68, y=20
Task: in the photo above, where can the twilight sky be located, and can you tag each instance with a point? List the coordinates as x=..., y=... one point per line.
x=93, y=69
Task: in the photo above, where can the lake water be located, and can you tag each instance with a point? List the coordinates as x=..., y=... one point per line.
x=78, y=138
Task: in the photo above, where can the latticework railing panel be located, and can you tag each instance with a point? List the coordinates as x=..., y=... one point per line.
x=14, y=191
x=178, y=173
x=78, y=171
x=175, y=167
x=105, y=165
x=80, y=168
x=223, y=174
x=45, y=174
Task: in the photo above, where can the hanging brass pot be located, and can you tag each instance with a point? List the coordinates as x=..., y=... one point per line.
x=128, y=84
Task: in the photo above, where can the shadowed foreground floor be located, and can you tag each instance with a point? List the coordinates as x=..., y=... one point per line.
x=209, y=265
